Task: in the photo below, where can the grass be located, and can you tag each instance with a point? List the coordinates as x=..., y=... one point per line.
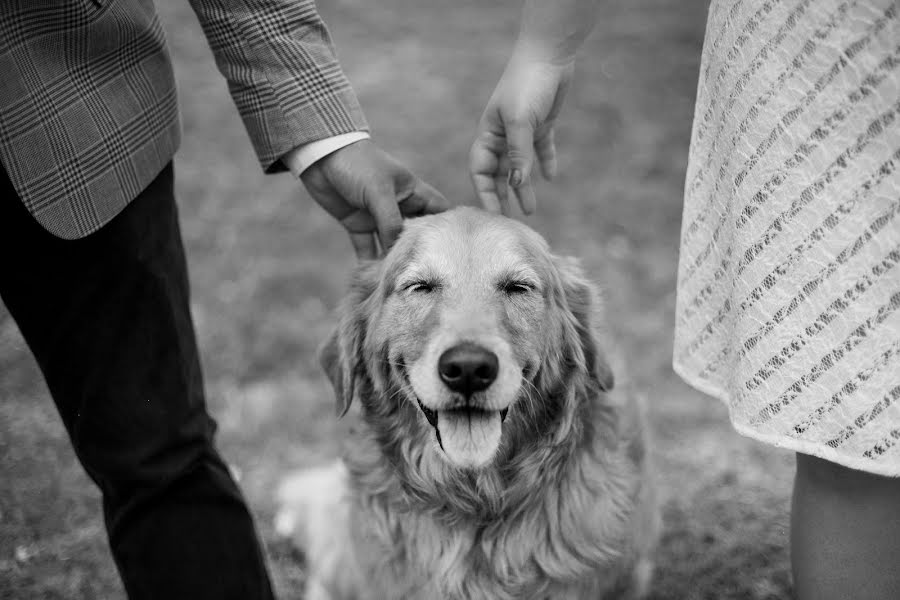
x=267, y=268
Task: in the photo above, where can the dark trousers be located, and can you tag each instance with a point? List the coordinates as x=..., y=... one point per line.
x=108, y=320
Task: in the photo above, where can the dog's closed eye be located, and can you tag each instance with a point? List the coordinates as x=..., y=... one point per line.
x=517, y=286
x=421, y=286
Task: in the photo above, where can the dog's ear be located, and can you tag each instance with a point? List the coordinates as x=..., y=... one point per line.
x=341, y=355
x=336, y=368
x=582, y=300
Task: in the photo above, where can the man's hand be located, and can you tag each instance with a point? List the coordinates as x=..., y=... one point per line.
x=369, y=193
x=517, y=123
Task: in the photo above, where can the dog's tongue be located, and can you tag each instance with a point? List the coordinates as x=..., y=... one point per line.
x=470, y=438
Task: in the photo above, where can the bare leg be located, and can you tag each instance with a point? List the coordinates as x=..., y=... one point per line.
x=845, y=533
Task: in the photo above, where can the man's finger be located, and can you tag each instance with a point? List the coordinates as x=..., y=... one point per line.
x=364, y=245
x=388, y=219
x=359, y=221
x=423, y=200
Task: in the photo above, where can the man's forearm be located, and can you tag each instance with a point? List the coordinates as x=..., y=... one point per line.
x=555, y=30
x=282, y=72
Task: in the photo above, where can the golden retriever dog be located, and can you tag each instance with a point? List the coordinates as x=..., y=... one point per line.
x=493, y=460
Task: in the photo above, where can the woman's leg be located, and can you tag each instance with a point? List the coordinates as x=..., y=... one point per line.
x=845, y=533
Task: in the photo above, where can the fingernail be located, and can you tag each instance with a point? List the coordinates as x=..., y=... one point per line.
x=515, y=178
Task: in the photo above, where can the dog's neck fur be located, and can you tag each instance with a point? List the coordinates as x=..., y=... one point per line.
x=470, y=530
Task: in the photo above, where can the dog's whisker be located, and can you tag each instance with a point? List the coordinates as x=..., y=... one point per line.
x=532, y=393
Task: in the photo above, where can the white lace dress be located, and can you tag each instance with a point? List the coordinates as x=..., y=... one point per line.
x=788, y=303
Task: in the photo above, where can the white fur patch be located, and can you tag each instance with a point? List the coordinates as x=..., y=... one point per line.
x=314, y=512
x=304, y=494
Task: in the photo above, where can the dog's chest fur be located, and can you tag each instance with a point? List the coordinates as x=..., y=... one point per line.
x=569, y=539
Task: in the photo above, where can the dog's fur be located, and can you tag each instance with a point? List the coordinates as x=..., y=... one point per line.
x=561, y=507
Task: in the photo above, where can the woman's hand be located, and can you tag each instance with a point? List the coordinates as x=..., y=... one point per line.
x=517, y=125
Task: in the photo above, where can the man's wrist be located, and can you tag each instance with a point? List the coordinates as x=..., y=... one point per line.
x=302, y=157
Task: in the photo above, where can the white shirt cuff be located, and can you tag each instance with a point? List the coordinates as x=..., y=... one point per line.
x=299, y=159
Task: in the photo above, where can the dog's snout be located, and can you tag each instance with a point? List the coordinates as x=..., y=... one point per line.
x=468, y=368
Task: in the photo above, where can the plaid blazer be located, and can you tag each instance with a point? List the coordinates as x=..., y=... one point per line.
x=88, y=111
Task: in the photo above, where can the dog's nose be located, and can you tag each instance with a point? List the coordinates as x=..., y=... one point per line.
x=468, y=368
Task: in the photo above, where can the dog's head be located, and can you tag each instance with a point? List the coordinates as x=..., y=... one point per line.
x=462, y=340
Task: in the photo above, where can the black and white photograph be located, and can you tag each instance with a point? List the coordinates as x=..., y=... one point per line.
x=420, y=300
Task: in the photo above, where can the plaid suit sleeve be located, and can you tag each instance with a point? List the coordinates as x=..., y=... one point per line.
x=282, y=72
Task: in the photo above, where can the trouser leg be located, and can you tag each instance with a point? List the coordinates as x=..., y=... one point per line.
x=107, y=318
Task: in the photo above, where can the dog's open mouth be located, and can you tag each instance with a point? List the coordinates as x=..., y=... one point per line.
x=469, y=436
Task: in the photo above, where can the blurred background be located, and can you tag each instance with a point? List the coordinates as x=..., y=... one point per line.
x=268, y=268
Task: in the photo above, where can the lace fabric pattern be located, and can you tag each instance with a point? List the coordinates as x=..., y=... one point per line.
x=788, y=304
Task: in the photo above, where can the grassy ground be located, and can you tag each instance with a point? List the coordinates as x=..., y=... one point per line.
x=267, y=268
